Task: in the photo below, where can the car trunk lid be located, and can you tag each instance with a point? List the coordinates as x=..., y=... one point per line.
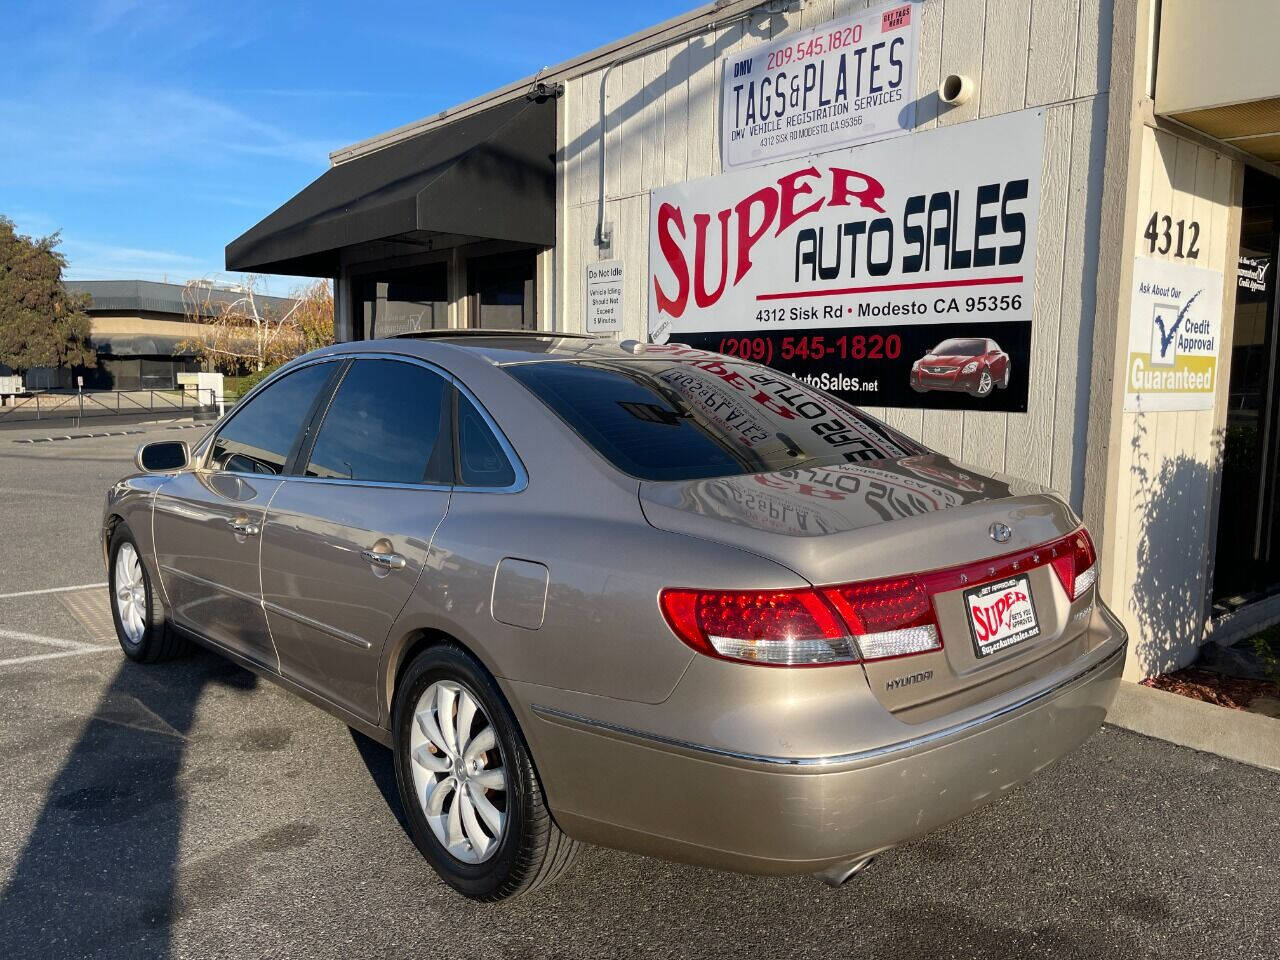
x=979, y=540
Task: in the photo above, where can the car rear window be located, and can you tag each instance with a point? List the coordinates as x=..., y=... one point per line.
x=702, y=416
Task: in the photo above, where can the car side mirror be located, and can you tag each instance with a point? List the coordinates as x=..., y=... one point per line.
x=161, y=456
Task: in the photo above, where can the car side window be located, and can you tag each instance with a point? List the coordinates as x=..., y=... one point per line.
x=260, y=435
x=384, y=425
x=481, y=460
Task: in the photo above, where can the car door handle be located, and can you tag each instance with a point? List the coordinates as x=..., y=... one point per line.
x=384, y=561
x=246, y=528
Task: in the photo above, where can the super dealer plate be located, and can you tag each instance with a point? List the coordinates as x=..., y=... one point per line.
x=1001, y=615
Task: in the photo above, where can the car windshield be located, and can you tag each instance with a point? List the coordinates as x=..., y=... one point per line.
x=703, y=415
x=960, y=347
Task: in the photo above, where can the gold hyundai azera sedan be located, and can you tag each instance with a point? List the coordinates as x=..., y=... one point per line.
x=644, y=596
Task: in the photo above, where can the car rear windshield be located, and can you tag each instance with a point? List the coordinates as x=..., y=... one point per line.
x=961, y=348
x=702, y=417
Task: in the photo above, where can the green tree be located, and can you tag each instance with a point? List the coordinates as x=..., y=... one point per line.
x=41, y=324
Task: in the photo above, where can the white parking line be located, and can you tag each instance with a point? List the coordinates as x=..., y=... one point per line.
x=37, y=638
x=87, y=648
x=71, y=648
x=37, y=593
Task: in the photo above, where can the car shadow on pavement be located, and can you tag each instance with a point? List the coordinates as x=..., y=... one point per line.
x=381, y=764
x=99, y=871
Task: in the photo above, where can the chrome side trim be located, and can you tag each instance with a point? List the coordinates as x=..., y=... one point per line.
x=202, y=582
x=324, y=628
x=561, y=716
x=344, y=482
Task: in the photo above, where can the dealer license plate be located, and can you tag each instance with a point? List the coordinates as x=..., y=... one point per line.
x=1001, y=615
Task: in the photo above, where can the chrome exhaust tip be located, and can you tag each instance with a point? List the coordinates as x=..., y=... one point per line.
x=839, y=874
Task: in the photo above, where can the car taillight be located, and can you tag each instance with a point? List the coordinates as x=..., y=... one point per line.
x=1077, y=564
x=874, y=620
x=888, y=618
x=778, y=627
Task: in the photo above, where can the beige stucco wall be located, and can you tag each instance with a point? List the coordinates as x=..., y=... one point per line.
x=142, y=326
x=1167, y=464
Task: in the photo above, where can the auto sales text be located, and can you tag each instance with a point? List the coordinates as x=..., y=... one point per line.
x=947, y=229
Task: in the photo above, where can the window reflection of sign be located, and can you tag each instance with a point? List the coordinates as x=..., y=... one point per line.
x=889, y=494
x=652, y=413
x=734, y=501
x=721, y=406
x=839, y=429
x=926, y=467
x=1251, y=273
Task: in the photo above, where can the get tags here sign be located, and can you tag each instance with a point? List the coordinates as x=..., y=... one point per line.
x=847, y=81
x=1175, y=330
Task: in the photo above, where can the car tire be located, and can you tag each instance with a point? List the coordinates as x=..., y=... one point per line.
x=142, y=626
x=1004, y=381
x=529, y=849
x=986, y=383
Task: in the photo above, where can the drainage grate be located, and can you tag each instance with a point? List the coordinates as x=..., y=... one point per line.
x=92, y=608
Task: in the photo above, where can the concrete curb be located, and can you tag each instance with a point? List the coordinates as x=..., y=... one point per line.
x=1246, y=737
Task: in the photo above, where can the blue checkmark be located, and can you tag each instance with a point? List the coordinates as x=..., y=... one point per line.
x=1166, y=338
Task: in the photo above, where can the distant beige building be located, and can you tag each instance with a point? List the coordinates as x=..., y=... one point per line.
x=139, y=328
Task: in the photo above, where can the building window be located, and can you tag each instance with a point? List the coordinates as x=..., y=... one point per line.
x=502, y=291
x=402, y=301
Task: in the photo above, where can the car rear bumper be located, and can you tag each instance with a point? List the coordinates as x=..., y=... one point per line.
x=788, y=815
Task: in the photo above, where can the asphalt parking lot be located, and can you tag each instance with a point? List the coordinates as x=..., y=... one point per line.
x=189, y=809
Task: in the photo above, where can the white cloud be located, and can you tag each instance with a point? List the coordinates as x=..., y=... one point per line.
x=93, y=260
x=122, y=133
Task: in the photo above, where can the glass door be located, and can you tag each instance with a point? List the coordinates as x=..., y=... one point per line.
x=1247, y=561
x=502, y=291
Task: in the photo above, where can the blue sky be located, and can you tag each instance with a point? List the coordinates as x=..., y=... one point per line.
x=152, y=132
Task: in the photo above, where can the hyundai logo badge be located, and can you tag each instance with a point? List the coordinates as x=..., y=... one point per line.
x=1000, y=532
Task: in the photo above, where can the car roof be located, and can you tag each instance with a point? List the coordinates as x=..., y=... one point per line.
x=501, y=347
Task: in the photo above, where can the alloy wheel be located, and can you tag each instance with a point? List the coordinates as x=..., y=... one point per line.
x=984, y=383
x=130, y=593
x=459, y=777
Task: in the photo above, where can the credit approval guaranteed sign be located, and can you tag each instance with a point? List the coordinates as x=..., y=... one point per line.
x=847, y=81
x=896, y=273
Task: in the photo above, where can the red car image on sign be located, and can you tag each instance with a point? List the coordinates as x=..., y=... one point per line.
x=1001, y=614
x=974, y=365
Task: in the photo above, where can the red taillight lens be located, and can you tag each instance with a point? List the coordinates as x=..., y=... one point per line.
x=881, y=619
x=868, y=620
x=778, y=627
x=1076, y=564
x=889, y=618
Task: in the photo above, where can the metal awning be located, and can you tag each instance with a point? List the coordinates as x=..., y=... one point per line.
x=486, y=176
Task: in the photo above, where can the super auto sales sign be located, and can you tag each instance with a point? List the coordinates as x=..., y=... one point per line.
x=896, y=273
